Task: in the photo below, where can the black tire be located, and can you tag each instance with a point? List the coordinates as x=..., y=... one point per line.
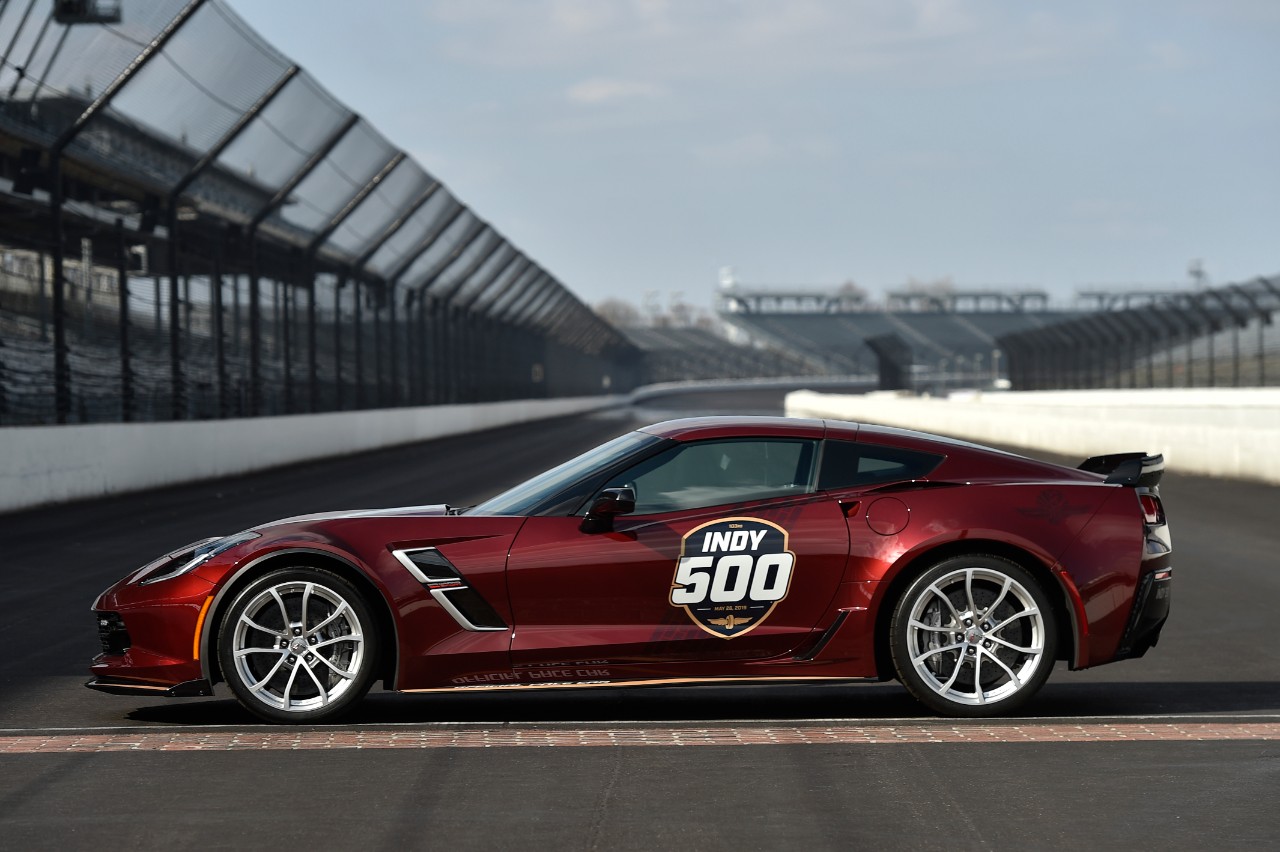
x=287, y=666
x=974, y=636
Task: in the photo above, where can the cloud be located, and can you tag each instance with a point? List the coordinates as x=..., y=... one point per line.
x=603, y=90
x=762, y=39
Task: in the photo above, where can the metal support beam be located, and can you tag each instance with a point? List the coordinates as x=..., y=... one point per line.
x=122, y=284
x=464, y=276
x=211, y=156
x=337, y=340
x=534, y=288
x=353, y=202
x=465, y=240
x=394, y=226
x=219, y=338
x=61, y=362
x=421, y=247
x=316, y=158
x=500, y=269
x=527, y=314
x=519, y=267
x=122, y=79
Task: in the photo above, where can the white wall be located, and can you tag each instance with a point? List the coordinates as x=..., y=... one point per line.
x=1214, y=431
x=53, y=464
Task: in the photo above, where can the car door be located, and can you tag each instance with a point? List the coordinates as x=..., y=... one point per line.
x=729, y=555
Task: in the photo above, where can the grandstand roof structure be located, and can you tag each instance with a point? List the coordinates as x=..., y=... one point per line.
x=945, y=329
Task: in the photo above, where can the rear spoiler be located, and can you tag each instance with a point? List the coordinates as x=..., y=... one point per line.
x=1136, y=470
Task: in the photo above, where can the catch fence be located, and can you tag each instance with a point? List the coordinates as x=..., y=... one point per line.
x=191, y=226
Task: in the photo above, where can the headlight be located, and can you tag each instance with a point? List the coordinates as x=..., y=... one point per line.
x=184, y=560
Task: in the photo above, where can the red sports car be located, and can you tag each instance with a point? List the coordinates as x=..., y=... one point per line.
x=701, y=550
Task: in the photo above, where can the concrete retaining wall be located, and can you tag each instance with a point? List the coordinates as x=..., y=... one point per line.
x=1218, y=432
x=53, y=464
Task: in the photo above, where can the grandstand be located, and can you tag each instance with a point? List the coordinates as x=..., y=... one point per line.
x=672, y=354
x=951, y=337
x=1111, y=337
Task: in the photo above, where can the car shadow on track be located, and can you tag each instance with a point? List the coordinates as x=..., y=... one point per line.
x=735, y=704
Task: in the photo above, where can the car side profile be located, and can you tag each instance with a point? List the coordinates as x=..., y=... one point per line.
x=714, y=549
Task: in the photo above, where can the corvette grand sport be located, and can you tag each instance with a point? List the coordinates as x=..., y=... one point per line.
x=716, y=549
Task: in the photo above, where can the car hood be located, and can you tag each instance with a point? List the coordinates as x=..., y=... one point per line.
x=434, y=510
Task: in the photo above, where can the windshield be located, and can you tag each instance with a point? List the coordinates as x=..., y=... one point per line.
x=528, y=495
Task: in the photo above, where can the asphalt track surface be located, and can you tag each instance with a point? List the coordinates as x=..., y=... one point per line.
x=1176, y=750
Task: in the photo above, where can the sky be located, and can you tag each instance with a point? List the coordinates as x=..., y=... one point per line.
x=638, y=146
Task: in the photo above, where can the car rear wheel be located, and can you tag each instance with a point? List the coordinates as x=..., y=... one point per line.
x=298, y=645
x=973, y=636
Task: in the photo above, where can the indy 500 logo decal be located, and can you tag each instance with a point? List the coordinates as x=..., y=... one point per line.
x=731, y=574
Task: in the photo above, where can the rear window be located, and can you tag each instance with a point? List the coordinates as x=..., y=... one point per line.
x=847, y=464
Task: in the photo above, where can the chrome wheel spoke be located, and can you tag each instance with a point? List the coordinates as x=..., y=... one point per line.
x=955, y=673
x=244, y=652
x=254, y=687
x=1004, y=590
x=1017, y=681
x=244, y=619
x=288, y=687
x=920, y=625
x=1002, y=625
x=934, y=652
x=346, y=675
x=350, y=637
x=1013, y=647
x=335, y=614
x=968, y=592
x=934, y=588
x=306, y=600
x=977, y=679
x=284, y=610
x=324, y=693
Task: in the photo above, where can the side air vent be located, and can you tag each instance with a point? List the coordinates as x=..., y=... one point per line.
x=433, y=563
x=450, y=589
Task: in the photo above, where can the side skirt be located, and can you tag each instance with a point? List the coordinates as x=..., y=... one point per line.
x=673, y=681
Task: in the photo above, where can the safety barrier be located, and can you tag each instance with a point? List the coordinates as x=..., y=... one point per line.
x=41, y=464
x=1218, y=432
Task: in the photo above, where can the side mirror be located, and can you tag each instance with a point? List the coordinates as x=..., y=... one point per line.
x=609, y=502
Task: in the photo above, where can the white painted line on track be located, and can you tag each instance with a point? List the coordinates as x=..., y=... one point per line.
x=897, y=721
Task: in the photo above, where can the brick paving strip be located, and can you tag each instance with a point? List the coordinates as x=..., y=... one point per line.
x=514, y=737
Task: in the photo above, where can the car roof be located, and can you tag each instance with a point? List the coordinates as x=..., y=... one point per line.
x=965, y=460
x=745, y=426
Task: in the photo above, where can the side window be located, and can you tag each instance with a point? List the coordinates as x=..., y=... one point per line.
x=712, y=473
x=846, y=464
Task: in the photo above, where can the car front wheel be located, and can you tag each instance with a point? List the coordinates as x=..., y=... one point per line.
x=973, y=636
x=298, y=645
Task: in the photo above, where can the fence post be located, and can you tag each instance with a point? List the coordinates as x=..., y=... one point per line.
x=359, y=344
x=61, y=364
x=379, y=394
x=175, y=321
x=219, y=344
x=122, y=286
x=393, y=368
x=337, y=340
x=255, y=331
x=313, y=373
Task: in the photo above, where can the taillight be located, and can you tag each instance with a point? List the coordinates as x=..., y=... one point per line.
x=1152, y=511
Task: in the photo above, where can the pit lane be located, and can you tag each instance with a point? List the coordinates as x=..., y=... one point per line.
x=462, y=771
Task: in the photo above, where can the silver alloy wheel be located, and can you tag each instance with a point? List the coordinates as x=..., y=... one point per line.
x=975, y=636
x=298, y=646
